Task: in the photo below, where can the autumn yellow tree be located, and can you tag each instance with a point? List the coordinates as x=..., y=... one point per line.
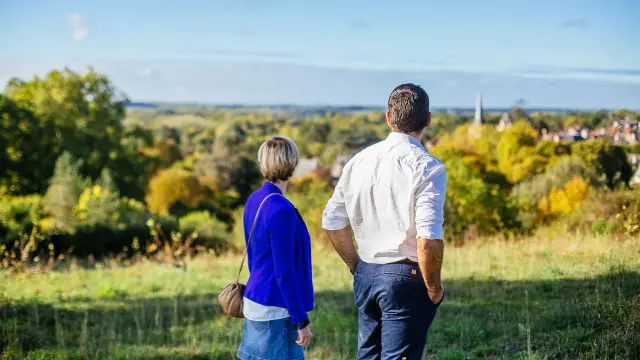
x=564, y=201
x=516, y=154
x=170, y=186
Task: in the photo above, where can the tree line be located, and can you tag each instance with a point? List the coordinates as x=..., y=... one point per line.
x=82, y=173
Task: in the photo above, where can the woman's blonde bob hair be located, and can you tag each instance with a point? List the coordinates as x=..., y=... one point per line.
x=278, y=158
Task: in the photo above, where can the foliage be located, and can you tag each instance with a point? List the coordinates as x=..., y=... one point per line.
x=77, y=113
x=63, y=193
x=18, y=215
x=516, y=155
x=607, y=159
x=210, y=232
x=229, y=166
x=26, y=152
x=563, y=201
x=556, y=176
x=528, y=194
x=202, y=165
x=171, y=186
x=552, y=150
x=473, y=204
x=608, y=212
x=98, y=205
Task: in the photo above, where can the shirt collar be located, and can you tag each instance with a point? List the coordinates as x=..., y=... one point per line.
x=271, y=188
x=397, y=137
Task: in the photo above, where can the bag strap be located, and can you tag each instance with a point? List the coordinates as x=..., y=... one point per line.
x=253, y=227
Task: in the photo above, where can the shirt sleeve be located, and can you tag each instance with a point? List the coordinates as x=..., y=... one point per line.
x=282, y=240
x=430, y=197
x=334, y=216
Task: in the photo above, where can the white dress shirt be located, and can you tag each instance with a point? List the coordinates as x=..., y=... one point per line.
x=393, y=193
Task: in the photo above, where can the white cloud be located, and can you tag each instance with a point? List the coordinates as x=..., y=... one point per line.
x=180, y=89
x=79, y=26
x=148, y=71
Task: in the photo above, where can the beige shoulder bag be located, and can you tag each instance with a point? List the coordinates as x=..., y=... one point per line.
x=230, y=298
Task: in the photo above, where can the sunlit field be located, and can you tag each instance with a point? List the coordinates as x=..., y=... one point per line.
x=573, y=297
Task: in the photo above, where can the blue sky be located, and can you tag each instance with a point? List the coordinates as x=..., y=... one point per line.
x=565, y=53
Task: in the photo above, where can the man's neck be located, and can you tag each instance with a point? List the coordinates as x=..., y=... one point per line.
x=418, y=135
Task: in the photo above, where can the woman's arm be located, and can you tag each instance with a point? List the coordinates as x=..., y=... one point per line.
x=283, y=248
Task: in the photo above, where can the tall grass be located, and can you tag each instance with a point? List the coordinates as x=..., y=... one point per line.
x=569, y=296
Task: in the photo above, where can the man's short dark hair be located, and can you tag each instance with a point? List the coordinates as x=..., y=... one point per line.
x=408, y=108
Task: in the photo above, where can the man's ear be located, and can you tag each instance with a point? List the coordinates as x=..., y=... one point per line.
x=388, y=116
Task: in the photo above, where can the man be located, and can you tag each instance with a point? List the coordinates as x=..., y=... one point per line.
x=393, y=194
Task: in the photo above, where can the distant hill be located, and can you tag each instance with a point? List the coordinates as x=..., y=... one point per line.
x=319, y=109
x=141, y=105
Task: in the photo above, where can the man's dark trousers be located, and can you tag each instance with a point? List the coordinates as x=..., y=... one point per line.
x=394, y=311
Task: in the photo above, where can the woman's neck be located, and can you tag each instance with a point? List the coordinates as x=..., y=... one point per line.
x=282, y=185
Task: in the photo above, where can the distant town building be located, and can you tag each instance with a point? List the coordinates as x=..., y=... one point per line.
x=305, y=167
x=625, y=131
x=505, y=122
x=478, y=119
x=338, y=166
x=475, y=129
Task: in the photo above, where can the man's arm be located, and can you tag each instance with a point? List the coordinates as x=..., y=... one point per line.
x=336, y=221
x=430, y=256
x=430, y=197
x=343, y=243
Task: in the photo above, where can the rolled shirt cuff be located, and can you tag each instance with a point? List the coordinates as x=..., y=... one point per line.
x=334, y=223
x=431, y=233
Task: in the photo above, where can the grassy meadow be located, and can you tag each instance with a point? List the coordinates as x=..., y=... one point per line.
x=566, y=297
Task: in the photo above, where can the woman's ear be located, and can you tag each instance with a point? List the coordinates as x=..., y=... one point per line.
x=428, y=120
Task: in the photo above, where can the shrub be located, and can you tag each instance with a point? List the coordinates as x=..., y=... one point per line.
x=210, y=232
x=237, y=236
x=564, y=201
x=557, y=176
x=131, y=212
x=18, y=214
x=611, y=211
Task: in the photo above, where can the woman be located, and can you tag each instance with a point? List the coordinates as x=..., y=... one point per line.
x=279, y=291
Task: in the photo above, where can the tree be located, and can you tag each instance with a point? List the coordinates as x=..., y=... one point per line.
x=597, y=119
x=572, y=121
x=516, y=153
x=230, y=165
x=607, y=159
x=26, y=152
x=465, y=190
x=81, y=114
x=98, y=204
x=63, y=193
x=171, y=186
x=550, y=121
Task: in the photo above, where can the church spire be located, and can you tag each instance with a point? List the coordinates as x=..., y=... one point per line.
x=477, y=119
